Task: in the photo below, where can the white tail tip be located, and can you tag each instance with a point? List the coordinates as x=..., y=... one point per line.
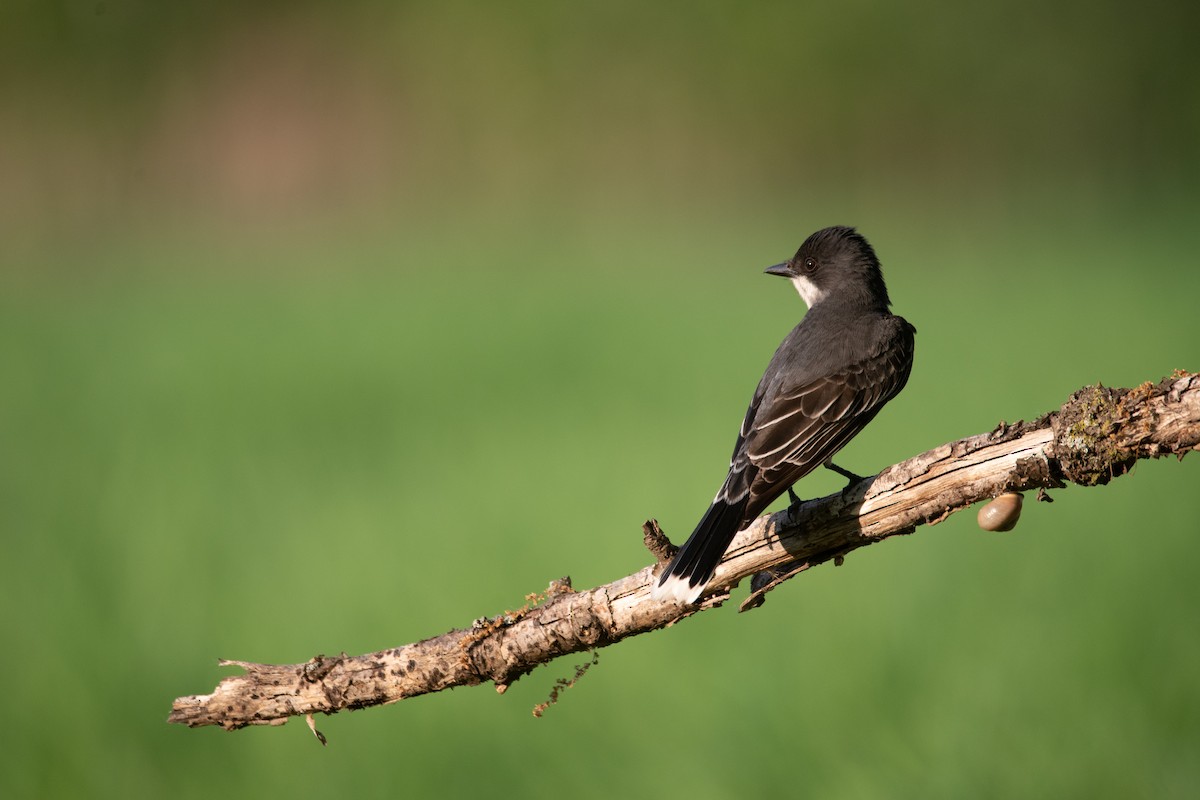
x=677, y=589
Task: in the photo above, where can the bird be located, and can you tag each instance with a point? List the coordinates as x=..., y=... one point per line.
x=829, y=377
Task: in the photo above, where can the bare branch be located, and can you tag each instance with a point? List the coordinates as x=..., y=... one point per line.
x=1097, y=435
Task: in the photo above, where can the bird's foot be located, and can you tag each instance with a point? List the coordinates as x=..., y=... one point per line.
x=794, y=506
x=850, y=477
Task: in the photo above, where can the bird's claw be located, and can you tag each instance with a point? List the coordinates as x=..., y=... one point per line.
x=795, y=502
x=851, y=477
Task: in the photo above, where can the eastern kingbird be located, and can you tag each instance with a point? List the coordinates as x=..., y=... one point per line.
x=828, y=379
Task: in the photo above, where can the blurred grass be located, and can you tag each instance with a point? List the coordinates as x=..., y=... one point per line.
x=237, y=466
x=325, y=332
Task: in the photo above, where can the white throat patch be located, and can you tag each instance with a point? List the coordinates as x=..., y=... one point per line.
x=809, y=293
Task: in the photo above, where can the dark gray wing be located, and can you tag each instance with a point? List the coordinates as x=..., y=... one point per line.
x=787, y=435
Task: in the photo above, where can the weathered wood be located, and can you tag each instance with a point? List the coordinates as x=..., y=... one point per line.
x=1096, y=436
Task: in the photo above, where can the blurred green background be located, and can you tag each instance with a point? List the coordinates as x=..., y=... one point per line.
x=331, y=327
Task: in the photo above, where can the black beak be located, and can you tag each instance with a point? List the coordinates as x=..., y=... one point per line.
x=783, y=270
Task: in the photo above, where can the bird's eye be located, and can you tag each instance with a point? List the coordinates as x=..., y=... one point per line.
x=809, y=265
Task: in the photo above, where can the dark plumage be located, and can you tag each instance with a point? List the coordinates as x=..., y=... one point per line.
x=828, y=379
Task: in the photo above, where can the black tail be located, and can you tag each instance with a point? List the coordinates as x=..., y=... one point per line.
x=694, y=564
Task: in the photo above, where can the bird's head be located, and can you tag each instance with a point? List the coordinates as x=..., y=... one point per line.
x=837, y=263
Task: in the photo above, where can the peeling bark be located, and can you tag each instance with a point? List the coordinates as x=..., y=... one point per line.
x=1097, y=435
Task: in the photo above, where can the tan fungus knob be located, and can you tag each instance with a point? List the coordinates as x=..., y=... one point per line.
x=1002, y=513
